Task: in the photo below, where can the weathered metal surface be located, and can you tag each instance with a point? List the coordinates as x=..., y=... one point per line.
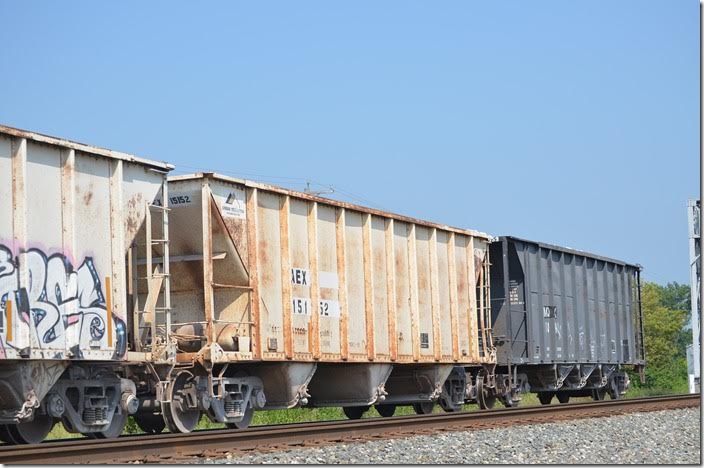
x=82, y=147
x=327, y=280
x=695, y=280
x=353, y=384
x=553, y=305
x=69, y=212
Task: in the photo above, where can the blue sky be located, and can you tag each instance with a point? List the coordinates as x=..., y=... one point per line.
x=574, y=123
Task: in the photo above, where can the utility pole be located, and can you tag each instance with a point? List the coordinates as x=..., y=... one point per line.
x=695, y=249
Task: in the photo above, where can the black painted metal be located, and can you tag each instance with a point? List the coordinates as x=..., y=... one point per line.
x=578, y=307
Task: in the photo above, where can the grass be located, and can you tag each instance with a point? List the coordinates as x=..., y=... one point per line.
x=301, y=415
x=265, y=418
x=640, y=392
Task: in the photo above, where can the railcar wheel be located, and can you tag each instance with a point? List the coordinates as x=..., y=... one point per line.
x=150, y=423
x=563, y=397
x=612, y=388
x=5, y=435
x=246, y=420
x=449, y=407
x=114, y=430
x=31, y=432
x=545, y=397
x=486, y=399
x=386, y=410
x=179, y=416
x=598, y=394
x=424, y=408
x=354, y=412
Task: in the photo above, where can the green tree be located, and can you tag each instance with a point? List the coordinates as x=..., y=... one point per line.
x=664, y=317
x=675, y=296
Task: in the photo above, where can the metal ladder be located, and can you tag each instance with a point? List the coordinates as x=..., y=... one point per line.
x=155, y=318
x=486, y=343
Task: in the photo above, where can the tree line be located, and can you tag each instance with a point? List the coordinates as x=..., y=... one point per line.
x=666, y=325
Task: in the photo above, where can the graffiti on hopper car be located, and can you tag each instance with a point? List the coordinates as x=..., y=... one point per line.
x=62, y=308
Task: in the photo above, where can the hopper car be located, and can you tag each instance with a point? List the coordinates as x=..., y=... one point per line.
x=128, y=293
x=125, y=294
x=565, y=322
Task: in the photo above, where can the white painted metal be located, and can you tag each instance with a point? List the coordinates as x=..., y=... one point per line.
x=694, y=223
x=69, y=213
x=303, y=278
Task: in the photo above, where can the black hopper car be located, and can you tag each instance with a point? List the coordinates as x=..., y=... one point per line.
x=565, y=323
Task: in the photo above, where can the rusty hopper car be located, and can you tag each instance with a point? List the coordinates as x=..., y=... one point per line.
x=70, y=211
x=565, y=322
x=282, y=299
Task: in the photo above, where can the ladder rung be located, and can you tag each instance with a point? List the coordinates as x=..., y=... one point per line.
x=159, y=207
x=156, y=275
x=154, y=241
x=156, y=309
x=230, y=286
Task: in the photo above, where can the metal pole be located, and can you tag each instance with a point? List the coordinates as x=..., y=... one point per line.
x=693, y=215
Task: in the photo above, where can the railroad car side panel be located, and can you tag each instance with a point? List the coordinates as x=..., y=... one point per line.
x=6, y=200
x=466, y=332
x=354, y=277
x=186, y=249
x=444, y=302
x=378, y=284
x=269, y=268
x=63, y=280
x=328, y=282
x=404, y=310
x=301, y=278
x=578, y=307
x=423, y=282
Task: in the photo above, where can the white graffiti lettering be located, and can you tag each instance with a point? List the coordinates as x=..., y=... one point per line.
x=62, y=308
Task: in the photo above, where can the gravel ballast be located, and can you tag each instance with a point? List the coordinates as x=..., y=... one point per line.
x=670, y=436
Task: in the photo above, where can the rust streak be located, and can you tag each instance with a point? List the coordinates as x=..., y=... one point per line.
x=314, y=329
x=452, y=273
x=207, y=247
x=253, y=271
x=434, y=302
x=413, y=286
x=391, y=287
x=342, y=292
x=472, y=294
x=368, y=285
x=284, y=211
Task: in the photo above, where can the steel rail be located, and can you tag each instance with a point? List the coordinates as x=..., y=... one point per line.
x=172, y=447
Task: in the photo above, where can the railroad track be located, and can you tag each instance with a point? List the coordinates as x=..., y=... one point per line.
x=211, y=443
